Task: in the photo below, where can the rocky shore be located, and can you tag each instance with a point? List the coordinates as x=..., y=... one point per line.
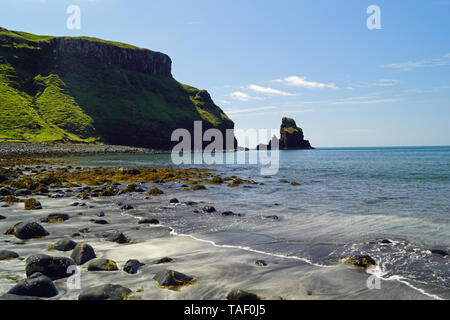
x=96, y=234
x=59, y=150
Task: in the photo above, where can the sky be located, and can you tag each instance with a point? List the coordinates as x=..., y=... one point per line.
x=315, y=61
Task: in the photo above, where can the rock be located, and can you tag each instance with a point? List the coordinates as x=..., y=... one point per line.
x=2, y=217
x=52, y=267
x=83, y=253
x=118, y=237
x=148, y=221
x=231, y=214
x=386, y=241
x=32, y=204
x=102, y=265
x=132, y=266
x=439, y=252
x=37, y=285
x=272, y=217
x=154, y=192
x=100, y=214
x=172, y=279
x=164, y=260
x=64, y=245
x=22, y=192
x=261, y=263
x=174, y=201
x=75, y=204
x=56, y=218
x=8, y=255
x=105, y=292
x=364, y=261
x=242, y=295
x=101, y=221
x=29, y=230
x=126, y=207
x=209, y=209
x=291, y=136
x=15, y=297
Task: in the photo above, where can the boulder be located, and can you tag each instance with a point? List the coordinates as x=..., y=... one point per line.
x=32, y=204
x=56, y=218
x=148, y=221
x=164, y=260
x=52, y=267
x=8, y=255
x=117, y=237
x=2, y=217
x=174, y=201
x=439, y=252
x=105, y=292
x=132, y=266
x=361, y=261
x=172, y=279
x=102, y=265
x=261, y=263
x=242, y=295
x=83, y=253
x=29, y=230
x=37, y=285
x=209, y=209
x=64, y=245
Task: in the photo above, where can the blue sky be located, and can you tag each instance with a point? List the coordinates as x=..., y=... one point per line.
x=315, y=61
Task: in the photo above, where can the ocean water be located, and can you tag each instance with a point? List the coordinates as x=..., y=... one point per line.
x=348, y=200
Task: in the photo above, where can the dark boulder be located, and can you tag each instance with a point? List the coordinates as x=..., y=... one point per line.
x=52, y=267
x=439, y=252
x=209, y=209
x=37, y=285
x=2, y=217
x=15, y=297
x=242, y=295
x=29, y=230
x=164, y=260
x=132, y=266
x=64, y=245
x=261, y=263
x=105, y=292
x=148, y=221
x=100, y=221
x=174, y=201
x=172, y=279
x=102, y=265
x=56, y=218
x=8, y=255
x=32, y=204
x=117, y=237
x=83, y=253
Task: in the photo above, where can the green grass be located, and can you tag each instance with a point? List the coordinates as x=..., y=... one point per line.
x=49, y=96
x=288, y=125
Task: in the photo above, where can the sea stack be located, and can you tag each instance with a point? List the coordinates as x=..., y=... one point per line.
x=291, y=137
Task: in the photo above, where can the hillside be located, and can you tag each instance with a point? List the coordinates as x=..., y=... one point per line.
x=87, y=90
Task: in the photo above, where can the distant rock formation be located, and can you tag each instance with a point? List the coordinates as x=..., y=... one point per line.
x=291, y=137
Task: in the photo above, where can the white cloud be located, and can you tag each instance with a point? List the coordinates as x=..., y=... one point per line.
x=236, y=111
x=424, y=63
x=364, y=100
x=303, y=83
x=269, y=91
x=242, y=96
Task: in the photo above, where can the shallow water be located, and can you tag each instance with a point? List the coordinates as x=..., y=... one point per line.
x=348, y=200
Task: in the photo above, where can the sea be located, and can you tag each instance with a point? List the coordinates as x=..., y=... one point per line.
x=348, y=200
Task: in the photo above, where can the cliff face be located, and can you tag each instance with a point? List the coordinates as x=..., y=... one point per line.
x=89, y=90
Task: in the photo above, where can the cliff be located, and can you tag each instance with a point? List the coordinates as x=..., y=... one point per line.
x=88, y=90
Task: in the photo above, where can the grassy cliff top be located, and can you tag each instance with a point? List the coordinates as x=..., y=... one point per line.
x=20, y=35
x=289, y=125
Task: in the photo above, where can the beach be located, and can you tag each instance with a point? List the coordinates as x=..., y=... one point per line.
x=211, y=235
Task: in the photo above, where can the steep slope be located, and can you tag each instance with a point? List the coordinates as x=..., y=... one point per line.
x=87, y=90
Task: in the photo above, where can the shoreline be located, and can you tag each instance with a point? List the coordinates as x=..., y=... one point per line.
x=12, y=149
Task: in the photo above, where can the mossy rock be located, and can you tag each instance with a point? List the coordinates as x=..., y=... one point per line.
x=173, y=280
x=52, y=267
x=32, y=204
x=63, y=245
x=37, y=285
x=118, y=237
x=83, y=253
x=102, y=265
x=106, y=292
x=132, y=266
x=361, y=261
x=154, y=192
x=243, y=296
